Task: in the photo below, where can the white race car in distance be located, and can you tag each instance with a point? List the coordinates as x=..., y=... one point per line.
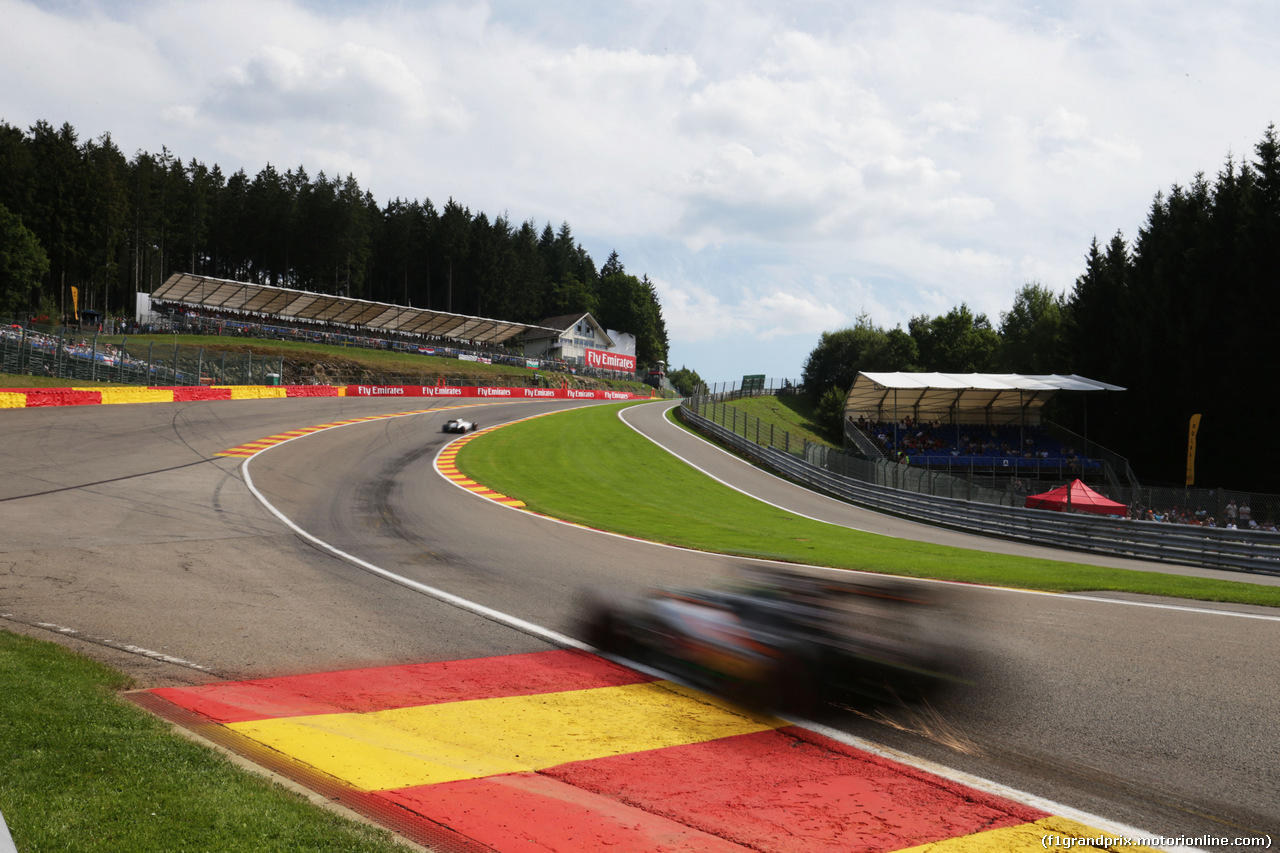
x=459, y=425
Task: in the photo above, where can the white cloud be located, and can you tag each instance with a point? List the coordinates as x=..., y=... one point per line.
x=345, y=84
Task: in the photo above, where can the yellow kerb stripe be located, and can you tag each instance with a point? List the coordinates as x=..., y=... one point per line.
x=467, y=740
x=111, y=396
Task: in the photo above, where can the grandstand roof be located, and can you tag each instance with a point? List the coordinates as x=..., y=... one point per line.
x=972, y=397
x=224, y=295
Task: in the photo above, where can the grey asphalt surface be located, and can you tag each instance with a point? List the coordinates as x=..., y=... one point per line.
x=119, y=524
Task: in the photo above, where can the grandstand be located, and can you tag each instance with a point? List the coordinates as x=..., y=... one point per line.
x=965, y=423
x=260, y=301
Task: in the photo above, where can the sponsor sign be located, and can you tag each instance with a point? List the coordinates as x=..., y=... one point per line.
x=486, y=392
x=407, y=391
x=611, y=360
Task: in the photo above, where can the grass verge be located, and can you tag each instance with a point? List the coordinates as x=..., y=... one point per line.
x=83, y=770
x=795, y=413
x=586, y=466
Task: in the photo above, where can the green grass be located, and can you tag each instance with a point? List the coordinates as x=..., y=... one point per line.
x=84, y=770
x=793, y=413
x=586, y=466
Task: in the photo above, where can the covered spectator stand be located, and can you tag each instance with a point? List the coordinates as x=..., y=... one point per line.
x=1076, y=497
x=976, y=425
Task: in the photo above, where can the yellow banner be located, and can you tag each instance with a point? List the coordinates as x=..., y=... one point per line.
x=75, y=302
x=1191, y=450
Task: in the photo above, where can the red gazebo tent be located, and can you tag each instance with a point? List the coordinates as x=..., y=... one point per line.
x=1076, y=497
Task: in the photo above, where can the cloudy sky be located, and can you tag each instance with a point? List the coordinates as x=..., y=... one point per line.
x=776, y=168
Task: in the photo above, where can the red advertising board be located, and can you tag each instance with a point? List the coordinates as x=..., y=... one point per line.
x=487, y=392
x=611, y=360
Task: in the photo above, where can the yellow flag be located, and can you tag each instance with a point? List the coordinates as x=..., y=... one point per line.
x=75, y=302
x=1191, y=450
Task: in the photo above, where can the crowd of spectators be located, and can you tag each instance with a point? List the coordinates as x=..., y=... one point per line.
x=1234, y=516
x=46, y=347
x=909, y=440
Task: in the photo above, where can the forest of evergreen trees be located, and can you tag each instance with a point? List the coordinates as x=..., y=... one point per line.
x=113, y=225
x=1178, y=316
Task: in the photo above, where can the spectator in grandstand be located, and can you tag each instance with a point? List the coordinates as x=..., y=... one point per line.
x=1229, y=514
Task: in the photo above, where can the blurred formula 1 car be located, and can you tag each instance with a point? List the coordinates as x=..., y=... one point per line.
x=783, y=640
x=459, y=425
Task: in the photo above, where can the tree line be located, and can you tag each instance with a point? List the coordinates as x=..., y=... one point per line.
x=113, y=225
x=1181, y=317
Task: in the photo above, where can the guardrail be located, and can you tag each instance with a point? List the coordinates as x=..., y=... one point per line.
x=1234, y=550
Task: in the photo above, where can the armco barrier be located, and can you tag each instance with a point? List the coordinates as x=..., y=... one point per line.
x=27, y=398
x=31, y=398
x=1235, y=550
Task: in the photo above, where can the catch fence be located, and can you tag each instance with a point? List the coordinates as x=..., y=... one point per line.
x=64, y=353
x=67, y=353
x=1252, y=551
x=1003, y=483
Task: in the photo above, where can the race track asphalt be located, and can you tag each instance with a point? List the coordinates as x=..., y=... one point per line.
x=122, y=525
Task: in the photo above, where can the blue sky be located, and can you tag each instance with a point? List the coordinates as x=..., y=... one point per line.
x=777, y=169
